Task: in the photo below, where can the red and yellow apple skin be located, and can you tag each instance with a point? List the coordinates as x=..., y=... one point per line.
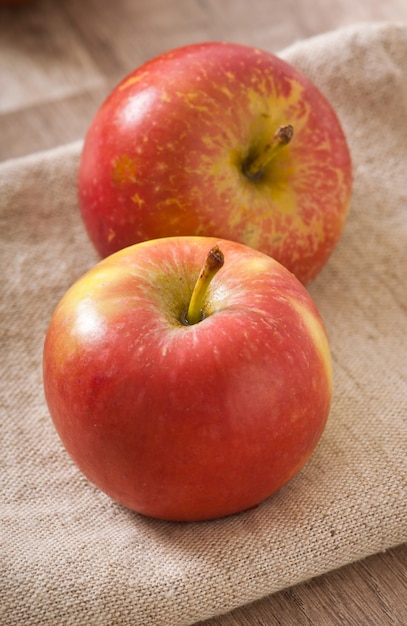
x=187, y=422
x=166, y=152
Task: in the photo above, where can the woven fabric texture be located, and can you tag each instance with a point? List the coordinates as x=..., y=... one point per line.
x=68, y=554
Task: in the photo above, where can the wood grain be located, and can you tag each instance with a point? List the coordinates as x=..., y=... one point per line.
x=58, y=61
x=371, y=592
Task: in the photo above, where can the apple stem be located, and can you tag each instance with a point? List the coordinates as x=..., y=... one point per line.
x=212, y=265
x=254, y=168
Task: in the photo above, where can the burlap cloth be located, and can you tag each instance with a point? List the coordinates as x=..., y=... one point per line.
x=69, y=555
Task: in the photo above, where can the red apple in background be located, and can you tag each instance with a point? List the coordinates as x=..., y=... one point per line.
x=188, y=398
x=223, y=140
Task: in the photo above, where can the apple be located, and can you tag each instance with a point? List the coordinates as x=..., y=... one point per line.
x=187, y=392
x=223, y=140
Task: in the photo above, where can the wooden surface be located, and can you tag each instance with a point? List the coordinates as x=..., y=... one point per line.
x=58, y=61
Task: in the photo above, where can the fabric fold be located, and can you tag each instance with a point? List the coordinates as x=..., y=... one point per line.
x=71, y=555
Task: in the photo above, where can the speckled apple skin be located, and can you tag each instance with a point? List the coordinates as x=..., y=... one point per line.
x=188, y=422
x=164, y=157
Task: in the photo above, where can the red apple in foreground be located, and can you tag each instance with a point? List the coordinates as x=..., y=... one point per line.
x=222, y=140
x=182, y=394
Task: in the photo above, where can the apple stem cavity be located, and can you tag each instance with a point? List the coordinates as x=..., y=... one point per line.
x=213, y=262
x=253, y=168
